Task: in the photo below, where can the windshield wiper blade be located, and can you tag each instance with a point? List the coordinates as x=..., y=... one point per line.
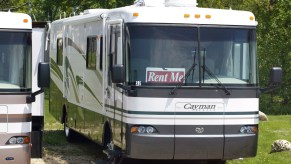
x=205, y=68
x=192, y=68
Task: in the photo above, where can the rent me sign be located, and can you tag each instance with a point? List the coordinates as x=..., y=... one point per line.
x=164, y=75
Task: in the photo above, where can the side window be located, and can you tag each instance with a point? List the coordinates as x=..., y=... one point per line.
x=91, y=53
x=60, y=51
x=115, y=49
x=118, y=48
x=101, y=53
x=111, y=52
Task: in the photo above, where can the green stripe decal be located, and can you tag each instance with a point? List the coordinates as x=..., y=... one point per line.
x=91, y=92
x=56, y=69
x=179, y=113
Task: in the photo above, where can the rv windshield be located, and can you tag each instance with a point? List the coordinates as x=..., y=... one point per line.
x=162, y=55
x=15, y=61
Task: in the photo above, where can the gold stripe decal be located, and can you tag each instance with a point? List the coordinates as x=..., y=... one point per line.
x=13, y=118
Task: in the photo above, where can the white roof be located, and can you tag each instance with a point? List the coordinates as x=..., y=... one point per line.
x=87, y=16
x=184, y=15
x=162, y=14
x=15, y=21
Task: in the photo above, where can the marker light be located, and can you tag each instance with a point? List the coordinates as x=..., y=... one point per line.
x=186, y=15
x=207, y=16
x=135, y=14
x=252, y=18
x=249, y=129
x=25, y=20
x=197, y=15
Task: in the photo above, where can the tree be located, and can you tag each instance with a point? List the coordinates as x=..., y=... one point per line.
x=273, y=31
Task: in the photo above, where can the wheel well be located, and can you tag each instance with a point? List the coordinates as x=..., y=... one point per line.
x=107, y=135
x=64, y=114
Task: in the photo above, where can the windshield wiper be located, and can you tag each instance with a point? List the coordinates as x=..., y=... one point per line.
x=205, y=68
x=172, y=92
x=192, y=68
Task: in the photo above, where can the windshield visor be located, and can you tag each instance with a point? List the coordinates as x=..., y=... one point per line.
x=165, y=55
x=15, y=61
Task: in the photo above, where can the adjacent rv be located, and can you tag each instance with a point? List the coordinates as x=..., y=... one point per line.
x=16, y=81
x=159, y=80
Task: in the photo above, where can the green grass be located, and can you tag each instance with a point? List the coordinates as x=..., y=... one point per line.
x=278, y=127
x=53, y=130
x=50, y=122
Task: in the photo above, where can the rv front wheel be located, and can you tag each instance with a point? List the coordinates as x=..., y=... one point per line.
x=69, y=133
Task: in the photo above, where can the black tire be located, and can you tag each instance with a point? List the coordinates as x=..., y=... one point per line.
x=106, y=137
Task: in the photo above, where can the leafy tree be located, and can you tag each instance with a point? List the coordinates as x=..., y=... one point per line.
x=274, y=44
x=273, y=32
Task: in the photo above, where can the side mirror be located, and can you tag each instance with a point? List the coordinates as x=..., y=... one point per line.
x=275, y=79
x=43, y=75
x=117, y=73
x=275, y=76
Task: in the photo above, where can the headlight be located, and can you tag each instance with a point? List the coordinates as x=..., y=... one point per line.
x=12, y=140
x=249, y=129
x=142, y=129
x=18, y=140
x=150, y=130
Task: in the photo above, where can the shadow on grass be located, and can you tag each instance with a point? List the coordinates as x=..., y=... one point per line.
x=58, y=150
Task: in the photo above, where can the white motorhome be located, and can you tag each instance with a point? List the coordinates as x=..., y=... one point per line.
x=16, y=93
x=39, y=43
x=159, y=80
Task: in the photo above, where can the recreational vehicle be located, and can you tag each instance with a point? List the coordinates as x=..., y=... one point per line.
x=39, y=43
x=161, y=79
x=16, y=81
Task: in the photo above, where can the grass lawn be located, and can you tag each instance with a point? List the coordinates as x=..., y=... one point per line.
x=278, y=127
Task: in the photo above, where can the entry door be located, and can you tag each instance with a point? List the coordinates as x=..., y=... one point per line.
x=113, y=95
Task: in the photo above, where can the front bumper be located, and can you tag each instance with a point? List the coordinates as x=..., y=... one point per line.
x=15, y=154
x=199, y=147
